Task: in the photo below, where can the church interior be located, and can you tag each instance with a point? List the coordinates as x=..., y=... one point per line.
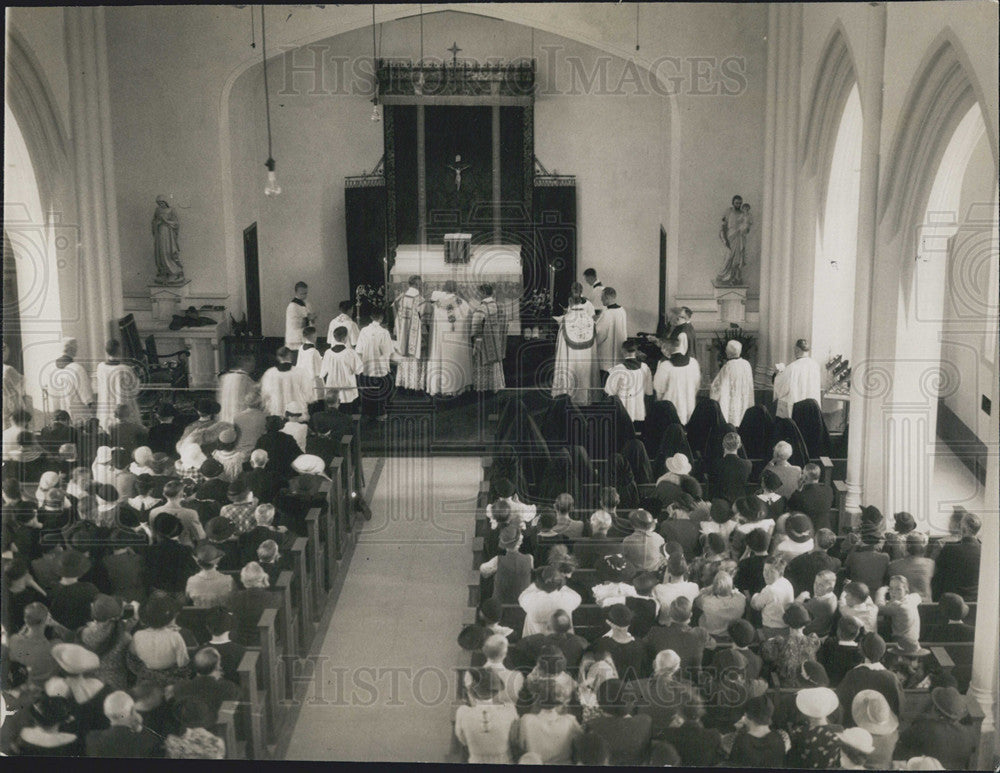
x=409, y=383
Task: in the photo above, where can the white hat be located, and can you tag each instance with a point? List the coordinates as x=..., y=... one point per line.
x=858, y=738
x=191, y=455
x=816, y=702
x=922, y=763
x=679, y=464
x=309, y=464
x=294, y=408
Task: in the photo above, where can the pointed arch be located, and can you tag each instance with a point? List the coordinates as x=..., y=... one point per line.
x=835, y=77
x=941, y=95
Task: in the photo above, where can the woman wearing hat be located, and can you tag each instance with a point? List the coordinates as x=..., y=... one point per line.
x=46, y=738
x=510, y=568
x=103, y=470
x=871, y=712
x=815, y=744
x=775, y=505
x=798, y=537
x=856, y=748
x=79, y=667
x=228, y=454
x=940, y=732
x=483, y=726
x=906, y=661
x=677, y=479
x=107, y=636
x=787, y=654
x=158, y=651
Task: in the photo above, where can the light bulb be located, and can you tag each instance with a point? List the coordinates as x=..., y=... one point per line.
x=376, y=113
x=834, y=265
x=272, y=188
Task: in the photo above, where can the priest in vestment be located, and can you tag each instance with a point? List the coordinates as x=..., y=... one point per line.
x=234, y=387
x=449, y=368
x=575, y=367
x=609, y=331
x=677, y=379
x=732, y=388
x=285, y=383
x=630, y=381
x=69, y=385
x=117, y=384
x=800, y=380
x=489, y=342
x=410, y=318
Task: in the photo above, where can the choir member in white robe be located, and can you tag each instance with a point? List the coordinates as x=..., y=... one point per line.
x=13, y=390
x=234, y=386
x=117, y=384
x=69, y=385
x=449, y=367
x=610, y=331
x=800, y=380
x=575, y=367
x=298, y=315
x=732, y=388
x=376, y=350
x=309, y=359
x=285, y=383
x=677, y=379
x=344, y=319
x=341, y=368
x=630, y=381
x=411, y=316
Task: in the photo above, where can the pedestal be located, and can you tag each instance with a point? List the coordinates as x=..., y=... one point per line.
x=167, y=300
x=732, y=300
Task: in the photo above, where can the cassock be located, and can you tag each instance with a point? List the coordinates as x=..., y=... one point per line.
x=449, y=368
x=489, y=345
x=732, y=388
x=410, y=310
x=283, y=384
x=610, y=334
x=297, y=315
x=800, y=380
x=630, y=381
x=340, y=370
x=117, y=385
x=343, y=320
x=684, y=333
x=69, y=388
x=575, y=368
x=677, y=380
x=234, y=386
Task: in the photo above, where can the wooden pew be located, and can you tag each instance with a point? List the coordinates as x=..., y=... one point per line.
x=347, y=481
x=931, y=616
x=339, y=523
x=225, y=728
x=302, y=592
x=956, y=658
x=257, y=708
x=843, y=523
x=272, y=666
x=320, y=574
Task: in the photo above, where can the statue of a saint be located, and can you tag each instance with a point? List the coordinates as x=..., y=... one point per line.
x=166, y=249
x=735, y=228
x=458, y=167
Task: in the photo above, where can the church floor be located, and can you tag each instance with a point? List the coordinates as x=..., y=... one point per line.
x=386, y=665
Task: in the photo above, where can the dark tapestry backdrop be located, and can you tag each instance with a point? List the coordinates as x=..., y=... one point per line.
x=451, y=131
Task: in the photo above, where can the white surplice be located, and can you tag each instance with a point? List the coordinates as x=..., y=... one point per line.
x=631, y=384
x=340, y=370
x=800, y=380
x=280, y=386
x=343, y=320
x=117, y=384
x=449, y=368
x=732, y=388
x=678, y=383
x=609, y=334
x=70, y=390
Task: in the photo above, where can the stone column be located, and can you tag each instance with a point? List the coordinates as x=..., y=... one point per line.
x=90, y=128
x=870, y=90
x=784, y=60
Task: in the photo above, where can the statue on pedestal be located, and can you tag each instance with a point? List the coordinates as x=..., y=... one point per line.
x=735, y=228
x=166, y=249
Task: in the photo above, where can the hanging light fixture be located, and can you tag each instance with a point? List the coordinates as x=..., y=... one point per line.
x=272, y=187
x=376, y=113
x=418, y=84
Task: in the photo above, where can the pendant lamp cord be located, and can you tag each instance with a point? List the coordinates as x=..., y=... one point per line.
x=267, y=93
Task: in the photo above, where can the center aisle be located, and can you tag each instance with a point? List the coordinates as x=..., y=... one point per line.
x=385, y=669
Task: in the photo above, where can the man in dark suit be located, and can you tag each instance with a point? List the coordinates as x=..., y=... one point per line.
x=813, y=498
x=120, y=739
x=957, y=565
x=870, y=675
x=212, y=486
x=261, y=479
x=60, y=431
x=525, y=653
x=802, y=570
x=689, y=643
x=163, y=436
x=731, y=473
x=281, y=447
x=953, y=609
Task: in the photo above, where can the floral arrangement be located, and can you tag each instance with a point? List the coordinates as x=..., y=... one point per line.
x=733, y=333
x=369, y=297
x=536, y=306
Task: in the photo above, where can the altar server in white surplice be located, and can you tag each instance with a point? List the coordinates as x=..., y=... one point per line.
x=234, y=387
x=575, y=367
x=677, y=379
x=298, y=315
x=285, y=383
x=311, y=360
x=411, y=310
x=449, y=368
x=630, y=381
x=732, y=388
x=800, y=380
x=117, y=384
x=344, y=319
x=69, y=384
x=609, y=331
x=341, y=368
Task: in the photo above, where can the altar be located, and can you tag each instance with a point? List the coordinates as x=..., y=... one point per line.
x=495, y=264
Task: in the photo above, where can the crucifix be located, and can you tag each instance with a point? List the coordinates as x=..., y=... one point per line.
x=454, y=53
